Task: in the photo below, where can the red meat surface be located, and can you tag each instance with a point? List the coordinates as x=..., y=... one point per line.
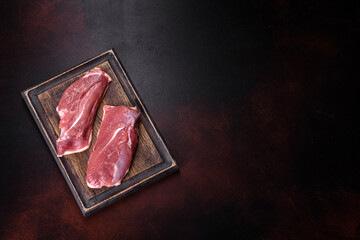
x=77, y=109
x=114, y=148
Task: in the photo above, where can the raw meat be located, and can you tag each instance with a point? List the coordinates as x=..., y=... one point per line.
x=114, y=148
x=77, y=109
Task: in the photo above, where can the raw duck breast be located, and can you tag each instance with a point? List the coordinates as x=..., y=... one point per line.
x=77, y=109
x=114, y=148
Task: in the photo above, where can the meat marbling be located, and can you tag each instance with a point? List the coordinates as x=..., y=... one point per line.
x=77, y=109
x=114, y=148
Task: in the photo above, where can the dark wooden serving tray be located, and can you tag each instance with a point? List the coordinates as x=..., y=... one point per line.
x=152, y=159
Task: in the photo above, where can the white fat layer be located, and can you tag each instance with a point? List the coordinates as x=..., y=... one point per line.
x=75, y=151
x=108, y=77
x=129, y=139
x=90, y=185
x=116, y=184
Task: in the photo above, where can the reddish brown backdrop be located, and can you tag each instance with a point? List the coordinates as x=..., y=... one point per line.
x=256, y=101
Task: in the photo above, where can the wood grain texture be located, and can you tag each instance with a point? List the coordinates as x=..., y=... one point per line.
x=151, y=160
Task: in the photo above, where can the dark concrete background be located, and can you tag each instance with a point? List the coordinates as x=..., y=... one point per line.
x=256, y=101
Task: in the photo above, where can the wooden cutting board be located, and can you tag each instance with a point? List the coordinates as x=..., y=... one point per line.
x=152, y=159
